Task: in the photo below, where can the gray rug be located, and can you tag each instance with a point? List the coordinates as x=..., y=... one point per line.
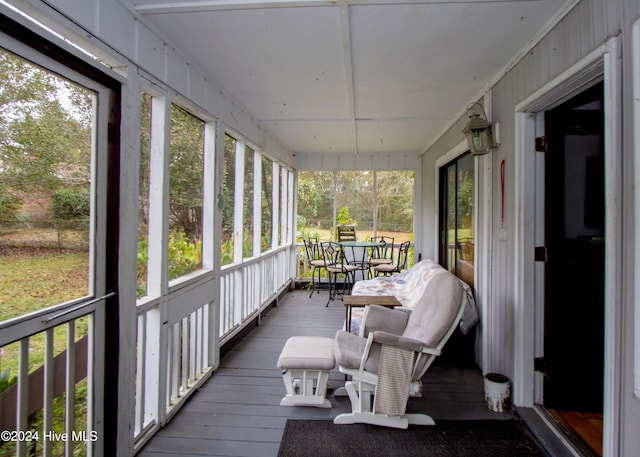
x=495, y=438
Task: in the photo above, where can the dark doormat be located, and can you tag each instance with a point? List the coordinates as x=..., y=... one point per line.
x=493, y=438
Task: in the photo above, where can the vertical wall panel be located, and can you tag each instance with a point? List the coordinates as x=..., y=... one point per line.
x=176, y=71
x=197, y=85
x=116, y=27
x=84, y=13
x=150, y=51
x=585, y=27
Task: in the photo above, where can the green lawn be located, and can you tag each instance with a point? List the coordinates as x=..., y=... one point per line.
x=33, y=279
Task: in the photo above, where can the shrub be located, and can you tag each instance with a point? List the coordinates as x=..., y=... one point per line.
x=71, y=204
x=184, y=256
x=9, y=207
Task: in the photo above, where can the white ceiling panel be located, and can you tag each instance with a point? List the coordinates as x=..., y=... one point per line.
x=402, y=136
x=351, y=76
x=319, y=136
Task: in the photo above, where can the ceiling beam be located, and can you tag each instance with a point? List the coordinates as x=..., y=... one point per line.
x=224, y=5
x=345, y=33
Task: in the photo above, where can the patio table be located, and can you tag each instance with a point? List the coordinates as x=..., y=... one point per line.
x=360, y=259
x=355, y=301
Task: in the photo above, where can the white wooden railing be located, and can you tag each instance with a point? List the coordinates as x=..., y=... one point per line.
x=51, y=407
x=175, y=334
x=173, y=352
x=247, y=287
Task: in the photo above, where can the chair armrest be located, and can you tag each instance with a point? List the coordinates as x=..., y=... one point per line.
x=402, y=342
x=432, y=351
x=385, y=319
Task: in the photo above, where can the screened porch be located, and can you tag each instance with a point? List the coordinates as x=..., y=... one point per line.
x=162, y=162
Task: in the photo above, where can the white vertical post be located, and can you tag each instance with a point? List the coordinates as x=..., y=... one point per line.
x=208, y=199
x=291, y=218
x=158, y=257
x=284, y=205
x=238, y=198
x=214, y=318
x=335, y=204
x=375, y=203
x=158, y=197
x=257, y=203
x=238, y=233
x=275, y=215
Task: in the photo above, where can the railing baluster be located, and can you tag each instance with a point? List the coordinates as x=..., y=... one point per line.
x=206, y=335
x=173, y=367
x=169, y=373
x=92, y=380
x=185, y=356
x=195, y=332
x=22, y=409
x=140, y=372
x=69, y=399
x=47, y=408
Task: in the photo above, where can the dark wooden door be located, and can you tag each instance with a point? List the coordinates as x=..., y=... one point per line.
x=574, y=237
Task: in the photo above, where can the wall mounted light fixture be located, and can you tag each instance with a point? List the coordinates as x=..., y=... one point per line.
x=479, y=131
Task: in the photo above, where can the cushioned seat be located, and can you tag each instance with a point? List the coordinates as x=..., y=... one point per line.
x=305, y=362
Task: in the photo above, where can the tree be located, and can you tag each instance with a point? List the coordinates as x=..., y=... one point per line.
x=186, y=173
x=315, y=196
x=354, y=196
x=45, y=129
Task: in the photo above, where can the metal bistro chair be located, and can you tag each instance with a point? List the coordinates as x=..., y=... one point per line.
x=336, y=263
x=401, y=263
x=382, y=254
x=314, y=258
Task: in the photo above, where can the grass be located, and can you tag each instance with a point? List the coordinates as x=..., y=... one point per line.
x=33, y=278
x=36, y=278
x=362, y=235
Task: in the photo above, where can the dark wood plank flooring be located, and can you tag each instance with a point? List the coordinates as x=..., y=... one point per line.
x=238, y=413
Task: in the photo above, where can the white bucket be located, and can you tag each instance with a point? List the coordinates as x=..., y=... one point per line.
x=497, y=392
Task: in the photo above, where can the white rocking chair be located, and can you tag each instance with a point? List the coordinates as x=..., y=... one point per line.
x=394, y=350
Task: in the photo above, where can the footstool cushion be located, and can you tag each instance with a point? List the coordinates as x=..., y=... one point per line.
x=305, y=362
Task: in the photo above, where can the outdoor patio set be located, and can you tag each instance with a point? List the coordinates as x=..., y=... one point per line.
x=347, y=257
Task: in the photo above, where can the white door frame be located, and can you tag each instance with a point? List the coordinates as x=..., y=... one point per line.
x=602, y=63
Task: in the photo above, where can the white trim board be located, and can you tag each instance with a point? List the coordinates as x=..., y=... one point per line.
x=635, y=45
x=602, y=62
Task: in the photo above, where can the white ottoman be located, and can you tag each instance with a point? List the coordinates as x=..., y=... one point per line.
x=305, y=362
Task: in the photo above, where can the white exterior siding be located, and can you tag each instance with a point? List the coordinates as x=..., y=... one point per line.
x=588, y=26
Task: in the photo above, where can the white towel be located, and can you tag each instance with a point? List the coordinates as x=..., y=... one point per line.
x=394, y=379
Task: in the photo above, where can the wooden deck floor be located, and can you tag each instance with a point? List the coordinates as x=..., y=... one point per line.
x=238, y=413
